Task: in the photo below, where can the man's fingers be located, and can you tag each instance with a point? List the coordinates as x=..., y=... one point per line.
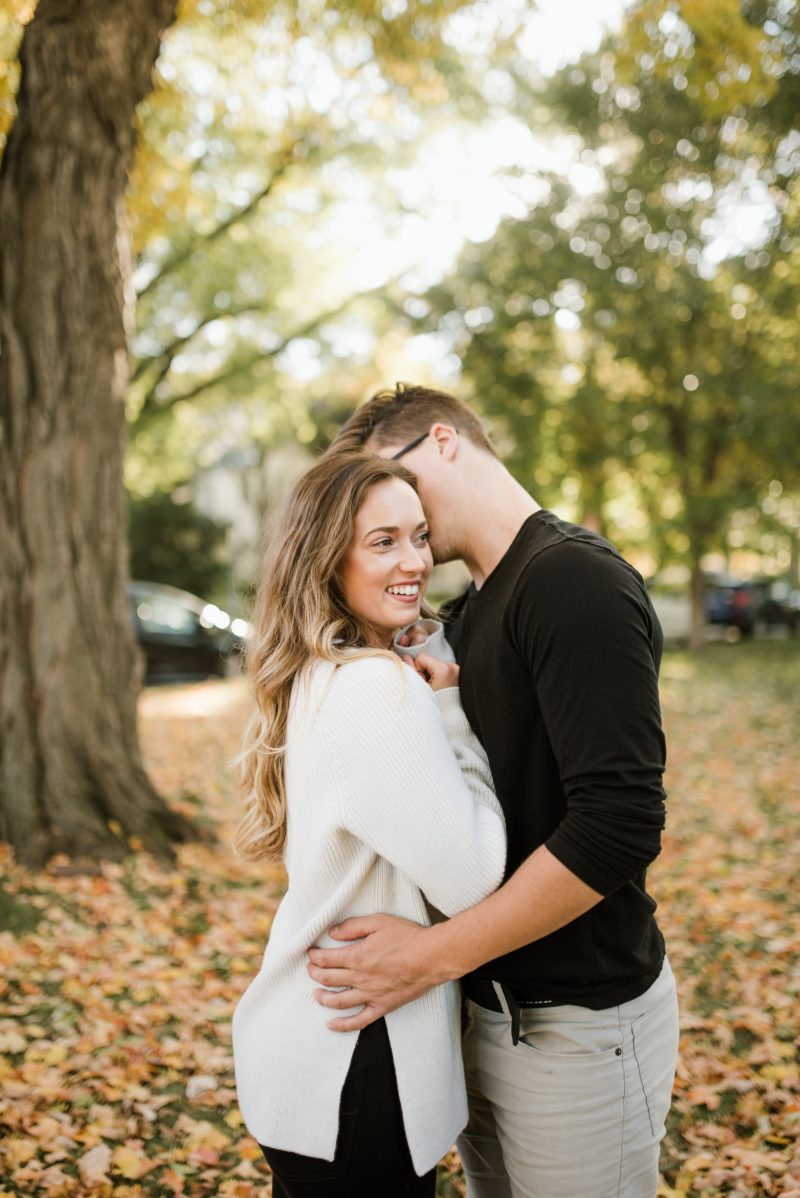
x=354, y=1023
x=329, y=958
x=355, y=928
x=330, y=977
x=340, y=1000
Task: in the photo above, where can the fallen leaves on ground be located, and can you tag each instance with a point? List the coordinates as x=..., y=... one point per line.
x=116, y=989
x=729, y=906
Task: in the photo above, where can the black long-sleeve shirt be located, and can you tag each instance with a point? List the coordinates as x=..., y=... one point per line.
x=559, y=653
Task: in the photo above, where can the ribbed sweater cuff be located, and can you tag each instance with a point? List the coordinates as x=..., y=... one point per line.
x=449, y=701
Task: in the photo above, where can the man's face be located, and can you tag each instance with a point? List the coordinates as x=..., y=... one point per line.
x=435, y=491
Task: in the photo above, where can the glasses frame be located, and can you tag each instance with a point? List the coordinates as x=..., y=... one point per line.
x=411, y=445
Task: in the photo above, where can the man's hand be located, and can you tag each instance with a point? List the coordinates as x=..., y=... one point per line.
x=388, y=967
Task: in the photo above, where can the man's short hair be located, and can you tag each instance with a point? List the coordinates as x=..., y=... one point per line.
x=398, y=414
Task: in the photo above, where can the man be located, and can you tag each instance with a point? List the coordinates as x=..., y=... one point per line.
x=572, y=1028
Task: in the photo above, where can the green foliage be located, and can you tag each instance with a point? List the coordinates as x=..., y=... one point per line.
x=13, y=16
x=269, y=126
x=631, y=336
x=268, y=119
x=173, y=543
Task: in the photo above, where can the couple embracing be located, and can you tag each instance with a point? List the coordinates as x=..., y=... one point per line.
x=466, y=950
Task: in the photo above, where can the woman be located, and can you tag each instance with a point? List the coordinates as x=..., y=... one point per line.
x=372, y=789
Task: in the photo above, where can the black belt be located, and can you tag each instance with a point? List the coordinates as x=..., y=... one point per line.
x=482, y=991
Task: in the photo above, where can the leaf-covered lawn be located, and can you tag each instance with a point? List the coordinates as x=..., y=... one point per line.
x=116, y=990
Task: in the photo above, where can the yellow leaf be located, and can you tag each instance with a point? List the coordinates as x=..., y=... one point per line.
x=239, y=965
x=701, y=1161
x=205, y=1135
x=12, y=1042
x=131, y=1162
x=72, y=988
x=779, y=1073
x=143, y=994
x=234, y=1118
x=19, y=1150
x=55, y=1054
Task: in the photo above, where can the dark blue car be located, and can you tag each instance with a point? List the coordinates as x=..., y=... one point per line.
x=184, y=637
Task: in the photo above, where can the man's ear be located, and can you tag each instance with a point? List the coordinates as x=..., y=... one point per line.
x=445, y=438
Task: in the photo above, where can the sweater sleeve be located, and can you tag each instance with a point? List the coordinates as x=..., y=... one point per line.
x=420, y=801
x=584, y=626
x=435, y=644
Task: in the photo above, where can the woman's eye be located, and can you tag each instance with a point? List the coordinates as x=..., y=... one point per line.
x=425, y=536
x=383, y=543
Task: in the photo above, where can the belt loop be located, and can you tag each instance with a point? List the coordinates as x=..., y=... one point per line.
x=509, y=1008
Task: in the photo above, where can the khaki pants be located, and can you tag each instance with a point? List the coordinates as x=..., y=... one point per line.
x=576, y=1109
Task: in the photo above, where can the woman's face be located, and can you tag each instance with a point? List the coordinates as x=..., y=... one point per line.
x=386, y=568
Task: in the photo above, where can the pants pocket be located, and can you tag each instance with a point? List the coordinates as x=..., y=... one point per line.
x=567, y=1032
x=655, y=1046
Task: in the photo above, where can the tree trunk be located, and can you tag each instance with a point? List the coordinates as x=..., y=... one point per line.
x=698, y=622
x=71, y=777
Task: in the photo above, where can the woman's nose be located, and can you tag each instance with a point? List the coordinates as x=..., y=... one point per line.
x=413, y=560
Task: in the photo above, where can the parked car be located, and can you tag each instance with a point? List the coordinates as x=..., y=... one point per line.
x=779, y=605
x=734, y=603
x=183, y=636
x=754, y=606
x=735, y=607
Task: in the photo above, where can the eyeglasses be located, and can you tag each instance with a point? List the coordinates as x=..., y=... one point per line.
x=407, y=448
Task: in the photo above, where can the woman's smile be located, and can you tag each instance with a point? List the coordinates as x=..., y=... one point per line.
x=405, y=592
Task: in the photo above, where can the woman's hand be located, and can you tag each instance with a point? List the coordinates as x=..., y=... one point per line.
x=414, y=636
x=440, y=675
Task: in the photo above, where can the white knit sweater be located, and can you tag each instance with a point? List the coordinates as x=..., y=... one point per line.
x=389, y=799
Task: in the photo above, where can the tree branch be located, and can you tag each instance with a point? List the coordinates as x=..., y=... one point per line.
x=235, y=218
x=152, y=407
x=168, y=352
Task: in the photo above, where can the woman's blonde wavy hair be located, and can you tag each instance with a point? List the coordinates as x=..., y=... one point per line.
x=300, y=614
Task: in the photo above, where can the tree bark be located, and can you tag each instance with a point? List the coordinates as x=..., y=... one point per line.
x=71, y=777
x=698, y=616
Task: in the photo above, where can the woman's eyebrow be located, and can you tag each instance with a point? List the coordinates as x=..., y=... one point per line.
x=393, y=528
x=383, y=528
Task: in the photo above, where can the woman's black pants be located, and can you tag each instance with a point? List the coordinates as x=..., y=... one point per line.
x=372, y=1154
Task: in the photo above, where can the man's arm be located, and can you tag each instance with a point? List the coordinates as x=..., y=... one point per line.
x=398, y=960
